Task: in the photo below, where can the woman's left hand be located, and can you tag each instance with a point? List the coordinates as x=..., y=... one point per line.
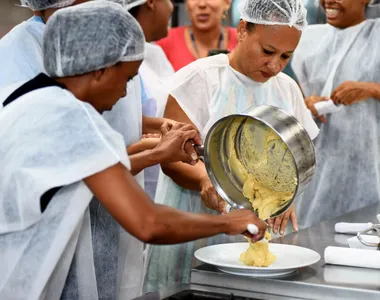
x=350, y=92
x=279, y=224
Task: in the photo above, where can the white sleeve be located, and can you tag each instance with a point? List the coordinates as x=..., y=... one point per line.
x=48, y=144
x=301, y=113
x=190, y=87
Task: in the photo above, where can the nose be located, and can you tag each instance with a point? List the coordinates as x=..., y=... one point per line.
x=202, y=3
x=275, y=65
x=124, y=93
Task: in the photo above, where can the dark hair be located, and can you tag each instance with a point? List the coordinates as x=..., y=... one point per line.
x=134, y=11
x=250, y=26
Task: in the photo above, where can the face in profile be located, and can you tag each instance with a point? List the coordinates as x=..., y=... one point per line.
x=163, y=10
x=265, y=50
x=110, y=85
x=206, y=14
x=344, y=13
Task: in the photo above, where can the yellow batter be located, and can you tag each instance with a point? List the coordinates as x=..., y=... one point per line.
x=267, y=186
x=258, y=255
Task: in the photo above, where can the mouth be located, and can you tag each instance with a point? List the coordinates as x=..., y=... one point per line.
x=202, y=17
x=332, y=13
x=266, y=75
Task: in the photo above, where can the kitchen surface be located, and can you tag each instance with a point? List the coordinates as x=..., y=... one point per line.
x=319, y=281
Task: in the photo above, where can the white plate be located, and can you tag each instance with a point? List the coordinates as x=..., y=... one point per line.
x=288, y=259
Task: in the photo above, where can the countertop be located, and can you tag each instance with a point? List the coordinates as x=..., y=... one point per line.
x=319, y=281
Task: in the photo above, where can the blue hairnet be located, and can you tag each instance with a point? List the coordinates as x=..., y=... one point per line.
x=89, y=37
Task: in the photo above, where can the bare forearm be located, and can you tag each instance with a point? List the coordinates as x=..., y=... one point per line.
x=173, y=226
x=186, y=176
x=152, y=125
x=375, y=90
x=142, y=160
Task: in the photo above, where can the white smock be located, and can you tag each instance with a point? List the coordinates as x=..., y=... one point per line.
x=47, y=144
x=348, y=148
x=21, y=59
x=126, y=118
x=155, y=71
x=207, y=90
x=21, y=52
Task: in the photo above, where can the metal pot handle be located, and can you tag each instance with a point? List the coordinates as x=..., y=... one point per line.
x=200, y=149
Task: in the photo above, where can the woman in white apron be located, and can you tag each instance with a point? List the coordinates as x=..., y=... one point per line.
x=21, y=59
x=340, y=60
x=214, y=87
x=57, y=152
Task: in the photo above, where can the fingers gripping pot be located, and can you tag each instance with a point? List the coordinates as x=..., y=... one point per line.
x=263, y=143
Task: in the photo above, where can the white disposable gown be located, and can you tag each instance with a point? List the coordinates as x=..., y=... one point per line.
x=50, y=139
x=348, y=165
x=155, y=71
x=20, y=60
x=207, y=90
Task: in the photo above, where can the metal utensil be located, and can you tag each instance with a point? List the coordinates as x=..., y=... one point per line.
x=375, y=230
x=216, y=152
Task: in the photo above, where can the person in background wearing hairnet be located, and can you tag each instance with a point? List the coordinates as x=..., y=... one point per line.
x=213, y=87
x=153, y=17
x=341, y=61
x=57, y=152
x=21, y=59
x=147, y=98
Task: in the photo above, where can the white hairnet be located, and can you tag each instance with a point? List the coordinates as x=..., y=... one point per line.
x=89, y=37
x=129, y=4
x=274, y=12
x=37, y=5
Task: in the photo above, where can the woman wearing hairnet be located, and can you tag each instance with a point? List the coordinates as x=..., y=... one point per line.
x=153, y=17
x=213, y=87
x=57, y=152
x=21, y=59
x=341, y=61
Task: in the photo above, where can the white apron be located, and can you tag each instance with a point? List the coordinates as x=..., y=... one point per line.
x=48, y=144
x=21, y=59
x=348, y=164
x=208, y=90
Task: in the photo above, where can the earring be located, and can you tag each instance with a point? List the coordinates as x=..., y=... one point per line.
x=225, y=15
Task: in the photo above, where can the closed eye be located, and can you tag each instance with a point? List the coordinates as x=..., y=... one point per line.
x=285, y=56
x=267, y=52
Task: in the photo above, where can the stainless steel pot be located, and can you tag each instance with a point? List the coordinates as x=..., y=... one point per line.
x=288, y=129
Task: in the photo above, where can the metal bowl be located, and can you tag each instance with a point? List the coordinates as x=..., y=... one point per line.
x=287, y=128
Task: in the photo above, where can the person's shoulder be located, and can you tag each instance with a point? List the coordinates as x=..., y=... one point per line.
x=286, y=82
x=203, y=65
x=176, y=31
x=373, y=23
x=203, y=69
x=22, y=29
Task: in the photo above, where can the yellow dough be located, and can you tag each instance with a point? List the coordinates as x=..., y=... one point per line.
x=270, y=182
x=258, y=254
x=274, y=181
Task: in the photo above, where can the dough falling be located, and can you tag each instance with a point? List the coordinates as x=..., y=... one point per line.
x=258, y=254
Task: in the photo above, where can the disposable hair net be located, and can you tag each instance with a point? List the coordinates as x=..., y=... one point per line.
x=274, y=12
x=129, y=4
x=37, y=5
x=89, y=37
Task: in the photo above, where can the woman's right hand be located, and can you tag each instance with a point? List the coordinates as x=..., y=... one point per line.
x=310, y=102
x=239, y=221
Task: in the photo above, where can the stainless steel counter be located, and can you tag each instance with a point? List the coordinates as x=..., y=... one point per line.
x=319, y=281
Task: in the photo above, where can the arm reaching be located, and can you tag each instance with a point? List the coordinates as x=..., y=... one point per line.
x=131, y=207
